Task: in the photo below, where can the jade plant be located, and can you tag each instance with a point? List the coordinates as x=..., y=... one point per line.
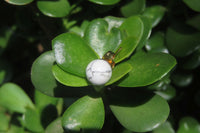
x=150, y=53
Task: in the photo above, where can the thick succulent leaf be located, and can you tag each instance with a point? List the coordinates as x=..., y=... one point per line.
x=147, y=69
x=113, y=22
x=146, y=32
x=67, y=78
x=193, y=4
x=86, y=115
x=54, y=8
x=156, y=43
x=193, y=61
x=5, y=35
x=182, y=79
x=44, y=81
x=31, y=120
x=72, y=53
x=4, y=121
x=138, y=111
x=132, y=8
x=127, y=46
x=188, y=125
x=101, y=38
x=14, y=98
x=19, y=2
x=5, y=71
x=55, y=126
x=167, y=92
x=180, y=44
x=155, y=14
x=194, y=22
x=164, y=128
x=118, y=72
x=105, y=2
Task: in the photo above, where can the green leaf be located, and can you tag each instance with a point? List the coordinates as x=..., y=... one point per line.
x=72, y=53
x=147, y=69
x=14, y=98
x=133, y=27
x=85, y=115
x=182, y=79
x=19, y=2
x=132, y=8
x=164, y=128
x=188, y=125
x=146, y=32
x=54, y=8
x=155, y=14
x=194, y=22
x=5, y=71
x=118, y=72
x=105, y=2
x=4, y=121
x=138, y=111
x=180, y=44
x=67, y=78
x=128, y=45
x=44, y=81
x=15, y=129
x=114, y=21
x=5, y=36
x=193, y=4
x=156, y=43
x=167, y=92
x=55, y=126
x=102, y=38
x=31, y=120
x=193, y=61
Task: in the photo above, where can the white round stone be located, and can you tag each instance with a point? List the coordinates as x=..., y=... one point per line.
x=98, y=72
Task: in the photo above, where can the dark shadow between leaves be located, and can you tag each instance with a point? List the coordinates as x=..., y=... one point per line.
x=129, y=97
x=49, y=113
x=86, y=130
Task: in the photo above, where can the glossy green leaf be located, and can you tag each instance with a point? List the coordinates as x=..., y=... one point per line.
x=138, y=111
x=5, y=71
x=105, y=2
x=85, y=115
x=101, y=38
x=155, y=14
x=15, y=129
x=67, y=78
x=19, y=2
x=164, y=128
x=132, y=8
x=193, y=61
x=31, y=120
x=54, y=8
x=128, y=45
x=72, y=53
x=182, y=79
x=55, y=126
x=188, y=125
x=146, y=32
x=42, y=100
x=42, y=68
x=194, y=22
x=118, y=72
x=5, y=35
x=180, y=44
x=147, y=69
x=4, y=121
x=193, y=4
x=133, y=27
x=47, y=107
x=167, y=92
x=114, y=21
x=156, y=43
x=14, y=98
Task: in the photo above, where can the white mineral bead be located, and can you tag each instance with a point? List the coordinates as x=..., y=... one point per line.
x=98, y=72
